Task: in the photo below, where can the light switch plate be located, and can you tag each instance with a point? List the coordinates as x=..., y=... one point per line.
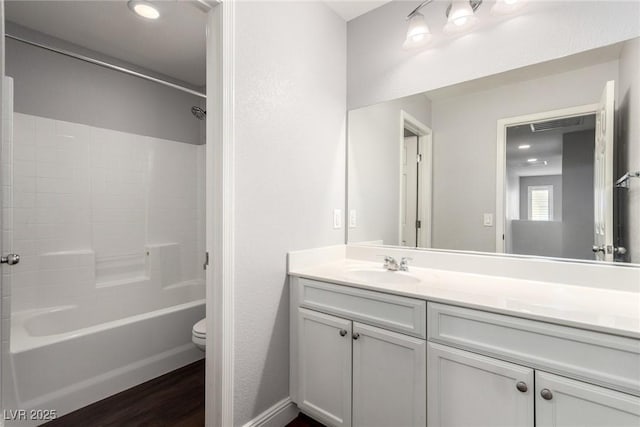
x=488, y=220
x=352, y=218
x=337, y=218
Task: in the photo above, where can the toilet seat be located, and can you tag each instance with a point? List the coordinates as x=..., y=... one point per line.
x=200, y=328
x=199, y=334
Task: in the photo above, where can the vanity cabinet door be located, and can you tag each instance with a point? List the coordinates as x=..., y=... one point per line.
x=563, y=402
x=468, y=390
x=324, y=367
x=389, y=378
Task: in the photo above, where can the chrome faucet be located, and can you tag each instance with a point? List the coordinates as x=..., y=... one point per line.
x=391, y=264
x=404, y=264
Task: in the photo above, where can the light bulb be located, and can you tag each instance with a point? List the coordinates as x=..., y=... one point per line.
x=418, y=33
x=461, y=16
x=503, y=7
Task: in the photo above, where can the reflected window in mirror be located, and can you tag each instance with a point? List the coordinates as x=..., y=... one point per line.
x=549, y=188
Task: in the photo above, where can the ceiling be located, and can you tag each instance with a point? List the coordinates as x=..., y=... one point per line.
x=544, y=146
x=349, y=9
x=173, y=45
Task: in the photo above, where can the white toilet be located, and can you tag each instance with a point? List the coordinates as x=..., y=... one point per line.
x=199, y=334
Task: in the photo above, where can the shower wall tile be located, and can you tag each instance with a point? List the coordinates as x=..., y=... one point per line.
x=87, y=201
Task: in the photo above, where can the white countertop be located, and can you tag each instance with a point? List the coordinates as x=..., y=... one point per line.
x=604, y=310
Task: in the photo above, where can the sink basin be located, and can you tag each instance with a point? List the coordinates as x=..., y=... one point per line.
x=381, y=276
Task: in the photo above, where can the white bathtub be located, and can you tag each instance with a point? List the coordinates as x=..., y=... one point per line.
x=67, y=357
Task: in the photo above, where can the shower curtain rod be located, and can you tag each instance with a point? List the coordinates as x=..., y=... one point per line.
x=106, y=65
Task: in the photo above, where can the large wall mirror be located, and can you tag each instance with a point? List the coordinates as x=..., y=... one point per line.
x=539, y=161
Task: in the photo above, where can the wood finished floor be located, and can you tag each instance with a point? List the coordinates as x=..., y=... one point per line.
x=304, y=421
x=175, y=399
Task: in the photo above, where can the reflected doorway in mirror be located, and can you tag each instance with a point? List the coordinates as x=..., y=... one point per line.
x=416, y=167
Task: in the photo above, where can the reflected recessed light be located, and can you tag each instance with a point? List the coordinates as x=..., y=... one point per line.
x=524, y=147
x=532, y=160
x=144, y=9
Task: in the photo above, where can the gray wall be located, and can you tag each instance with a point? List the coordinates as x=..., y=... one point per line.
x=543, y=238
x=379, y=70
x=577, y=202
x=465, y=141
x=59, y=87
x=290, y=104
x=554, y=180
x=629, y=144
x=374, y=166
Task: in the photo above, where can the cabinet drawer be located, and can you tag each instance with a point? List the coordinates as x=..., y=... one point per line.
x=594, y=357
x=395, y=313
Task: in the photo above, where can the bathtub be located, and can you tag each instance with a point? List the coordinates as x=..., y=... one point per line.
x=68, y=356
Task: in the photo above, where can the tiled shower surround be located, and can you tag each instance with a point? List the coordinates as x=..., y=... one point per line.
x=97, y=208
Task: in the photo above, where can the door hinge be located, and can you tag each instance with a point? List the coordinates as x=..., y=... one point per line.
x=206, y=261
x=418, y=224
x=419, y=158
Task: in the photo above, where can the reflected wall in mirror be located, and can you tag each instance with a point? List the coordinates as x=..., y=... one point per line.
x=524, y=162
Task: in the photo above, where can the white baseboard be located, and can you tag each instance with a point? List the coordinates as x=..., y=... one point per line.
x=279, y=415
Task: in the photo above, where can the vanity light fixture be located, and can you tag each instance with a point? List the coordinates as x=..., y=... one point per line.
x=144, y=9
x=524, y=147
x=461, y=15
x=418, y=34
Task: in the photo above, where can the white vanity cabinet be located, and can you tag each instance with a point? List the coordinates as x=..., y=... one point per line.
x=469, y=390
x=509, y=381
x=564, y=402
x=324, y=367
x=346, y=372
x=389, y=375
x=466, y=389
x=364, y=358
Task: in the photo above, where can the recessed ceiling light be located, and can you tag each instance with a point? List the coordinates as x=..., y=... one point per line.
x=144, y=9
x=532, y=160
x=524, y=147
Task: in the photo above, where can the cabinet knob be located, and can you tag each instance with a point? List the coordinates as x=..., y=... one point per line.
x=546, y=394
x=522, y=386
x=343, y=332
x=356, y=336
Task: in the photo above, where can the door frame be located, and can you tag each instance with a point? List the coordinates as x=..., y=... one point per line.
x=4, y=340
x=501, y=161
x=425, y=172
x=219, y=172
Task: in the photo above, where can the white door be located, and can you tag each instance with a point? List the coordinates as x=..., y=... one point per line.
x=409, y=196
x=468, y=390
x=561, y=402
x=324, y=364
x=603, y=176
x=389, y=378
